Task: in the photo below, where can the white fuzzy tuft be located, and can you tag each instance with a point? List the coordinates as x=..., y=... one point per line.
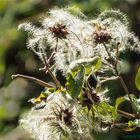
x=72, y=38
x=45, y=124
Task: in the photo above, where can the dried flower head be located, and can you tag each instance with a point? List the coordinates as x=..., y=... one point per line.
x=59, y=119
x=59, y=31
x=101, y=35
x=90, y=98
x=65, y=34
x=110, y=29
x=80, y=49
x=72, y=38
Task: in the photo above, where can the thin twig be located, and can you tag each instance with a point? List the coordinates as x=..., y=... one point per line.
x=127, y=115
x=38, y=81
x=109, y=65
x=125, y=89
x=107, y=51
x=120, y=125
x=109, y=79
x=117, y=56
x=117, y=74
x=49, y=59
x=49, y=71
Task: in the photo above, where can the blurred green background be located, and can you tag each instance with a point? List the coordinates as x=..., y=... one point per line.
x=15, y=58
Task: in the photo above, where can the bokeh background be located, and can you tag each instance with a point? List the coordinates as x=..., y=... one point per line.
x=15, y=58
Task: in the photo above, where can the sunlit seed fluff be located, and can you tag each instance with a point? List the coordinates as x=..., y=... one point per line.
x=114, y=34
x=115, y=15
x=117, y=24
x=71, y=23
x=59, y=119
x=133, y=43
x=72, y=38
x=65, y=33
x=74, y=46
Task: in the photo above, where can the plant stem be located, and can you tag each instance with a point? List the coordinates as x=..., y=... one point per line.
x=125, y=88
x=120, y=125
x=124, y=126
x=109, y=79
x=49, y=71
x=107, y=51
x=38, y=81
x=127, y=115
x=117, y=74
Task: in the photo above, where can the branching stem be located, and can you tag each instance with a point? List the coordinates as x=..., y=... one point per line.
x=38, y=81
x=117, y=74
x=49, y=71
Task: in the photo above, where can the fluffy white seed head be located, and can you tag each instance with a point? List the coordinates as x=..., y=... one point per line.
x=72, y=38
x=60, y=118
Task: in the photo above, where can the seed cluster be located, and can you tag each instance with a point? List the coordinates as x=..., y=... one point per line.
x=59, y=31
x=89, y=99
x=64, y=115
x=101, y=35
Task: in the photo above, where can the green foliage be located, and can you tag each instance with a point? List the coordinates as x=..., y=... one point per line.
x=106, y=112
x=89, y=64
x=75, y=82
x=137, y=79
x=97, y=64
x=120, y=100
x=12, y=10
x=12, y=99
x=135, y=101
x=132, y=125
x=92, y=6
x=136, y=122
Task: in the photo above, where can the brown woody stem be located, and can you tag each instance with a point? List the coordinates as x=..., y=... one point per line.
x=38, y=81
x=120, y=125
x=117, y=74
x=49, y=71
x=127, y=115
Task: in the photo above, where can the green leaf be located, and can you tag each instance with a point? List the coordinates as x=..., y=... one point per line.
x=137, y=79
x=120, y=100
x=87, y=70
x=132, y=125
x=125, y=98
x=97, y=64
x=89, y=64
x=105, y=111
x=129, y=129
x=135, y=105
x=75, y=83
